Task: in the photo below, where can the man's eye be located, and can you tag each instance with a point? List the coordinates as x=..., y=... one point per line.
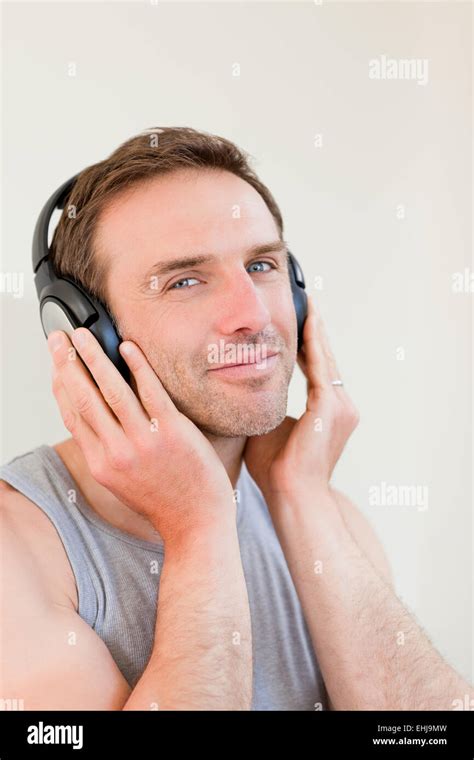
x=178, y=285
x=259, y=263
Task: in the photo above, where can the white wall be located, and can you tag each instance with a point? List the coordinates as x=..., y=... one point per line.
x=387, y=281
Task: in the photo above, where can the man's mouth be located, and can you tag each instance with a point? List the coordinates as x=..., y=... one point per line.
x=247, y=369
x=259, y=362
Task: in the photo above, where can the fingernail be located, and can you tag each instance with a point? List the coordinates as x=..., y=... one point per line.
x=126, y=348
x=79, y=338
x=55, y=340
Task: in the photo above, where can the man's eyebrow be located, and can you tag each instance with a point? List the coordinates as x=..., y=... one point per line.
x=187, y=262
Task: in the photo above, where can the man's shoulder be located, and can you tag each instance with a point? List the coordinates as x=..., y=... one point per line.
x=35, y=541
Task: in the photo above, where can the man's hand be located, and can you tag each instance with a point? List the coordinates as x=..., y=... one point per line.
x=305, y=451
x=148, y=454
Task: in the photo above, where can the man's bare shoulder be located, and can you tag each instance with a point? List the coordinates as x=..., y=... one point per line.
x=37, y=590
x=39, y=540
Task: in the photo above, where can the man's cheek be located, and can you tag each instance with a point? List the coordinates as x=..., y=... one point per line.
x=287, y=327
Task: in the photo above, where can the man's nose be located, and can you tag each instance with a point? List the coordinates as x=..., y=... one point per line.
x=241, y=307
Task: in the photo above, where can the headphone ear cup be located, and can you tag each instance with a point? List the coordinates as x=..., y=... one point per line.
x=300, y=299
x=65, y=305
x=106, y=335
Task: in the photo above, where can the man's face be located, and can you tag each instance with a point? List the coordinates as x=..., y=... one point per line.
x=235, y=307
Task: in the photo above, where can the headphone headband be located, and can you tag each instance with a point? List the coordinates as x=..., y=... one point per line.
x=40, y=248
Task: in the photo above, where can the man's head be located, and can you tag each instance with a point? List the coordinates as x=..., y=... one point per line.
x=179, y=194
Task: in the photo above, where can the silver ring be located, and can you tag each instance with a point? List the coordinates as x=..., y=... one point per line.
x=337, y=382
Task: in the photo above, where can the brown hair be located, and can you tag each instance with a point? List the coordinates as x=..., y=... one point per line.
x=156, y=151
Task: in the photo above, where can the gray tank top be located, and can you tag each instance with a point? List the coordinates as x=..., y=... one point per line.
x=118, y=575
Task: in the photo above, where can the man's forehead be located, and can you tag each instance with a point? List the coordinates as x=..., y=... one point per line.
x=187, y=195
x=150, y=227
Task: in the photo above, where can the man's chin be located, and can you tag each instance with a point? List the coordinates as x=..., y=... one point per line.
x=247, y=424
x=232, y=415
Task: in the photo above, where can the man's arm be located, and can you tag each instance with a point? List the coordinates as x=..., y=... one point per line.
x=365, y=537
x=372, y=653
x=52, y=660
x=363, y=534
x=202, y=654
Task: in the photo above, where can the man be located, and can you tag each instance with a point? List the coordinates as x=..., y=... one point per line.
x=272, y=589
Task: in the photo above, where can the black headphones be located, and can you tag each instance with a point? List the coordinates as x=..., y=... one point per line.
x=66, y=305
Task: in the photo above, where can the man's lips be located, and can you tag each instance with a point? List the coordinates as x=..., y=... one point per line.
x=262, y=370
x=260, y=362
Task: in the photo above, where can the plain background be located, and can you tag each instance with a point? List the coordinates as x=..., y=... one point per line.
x=390, y=149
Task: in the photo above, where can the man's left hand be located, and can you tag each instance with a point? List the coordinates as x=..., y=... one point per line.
x=303, y=453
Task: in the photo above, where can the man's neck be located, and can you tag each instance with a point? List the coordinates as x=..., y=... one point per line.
x=111, y=509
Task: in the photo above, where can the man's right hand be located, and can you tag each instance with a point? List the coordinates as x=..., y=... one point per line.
x=143, y=450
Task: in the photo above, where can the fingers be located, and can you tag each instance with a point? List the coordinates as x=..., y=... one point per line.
x=313, y=357
x=116, y=392
x=153, y=396
x=84, y=396
x=321, y=336
x=79, y=429
x=316, y=358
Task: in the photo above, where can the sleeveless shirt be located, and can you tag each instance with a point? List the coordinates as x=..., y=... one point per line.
x=117, y=576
